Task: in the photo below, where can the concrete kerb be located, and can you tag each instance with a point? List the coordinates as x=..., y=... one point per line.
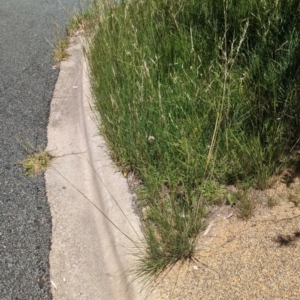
x=89, y=257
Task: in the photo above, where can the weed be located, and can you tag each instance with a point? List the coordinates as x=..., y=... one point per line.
x=294, y=198
x=36, y=163
x=212, y=193
x=87, y=21
x=246, y=205
x=230, y=200
x=60, y=52
x=271, y=201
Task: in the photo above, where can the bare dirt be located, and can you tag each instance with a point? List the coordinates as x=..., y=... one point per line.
x=237, y=259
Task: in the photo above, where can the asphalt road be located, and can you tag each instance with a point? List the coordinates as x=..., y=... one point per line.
x=27, y=82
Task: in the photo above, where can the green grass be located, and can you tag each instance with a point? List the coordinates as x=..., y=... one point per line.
x=193, y=96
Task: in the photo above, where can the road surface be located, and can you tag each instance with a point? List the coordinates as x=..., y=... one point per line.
x=26, y=86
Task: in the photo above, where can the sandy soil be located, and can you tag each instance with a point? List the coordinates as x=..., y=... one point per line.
x=236, y=259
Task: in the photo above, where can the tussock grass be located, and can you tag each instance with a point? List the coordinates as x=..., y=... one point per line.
x=195, y=95
x=60, y=50
x=294, y=198
x=246, y=204
x=272, y=201
x=37, y=162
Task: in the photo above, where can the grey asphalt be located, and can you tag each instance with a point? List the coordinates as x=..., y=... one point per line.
x=27, y=80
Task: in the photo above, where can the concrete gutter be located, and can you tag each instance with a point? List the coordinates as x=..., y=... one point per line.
x=90, y=259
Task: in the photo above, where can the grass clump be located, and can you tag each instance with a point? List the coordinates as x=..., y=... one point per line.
x=36, y=163
x=60, y=51
x=246, y=204
x=170, y=232
x=272, y=201
x=193, y=94
x=294, y=198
